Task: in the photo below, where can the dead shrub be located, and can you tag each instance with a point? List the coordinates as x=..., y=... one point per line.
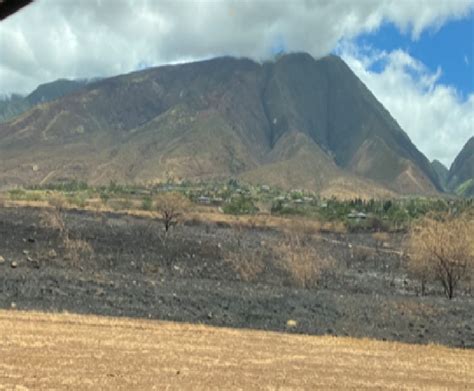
x=441, y=248
x=337, y=227
x=252, y=222
x=380, y=238
x=54, y=218
x=247, y=262
x=194, y=219
x=300, y=260
x=77, y=249
x=303, y=227
x=362, y=254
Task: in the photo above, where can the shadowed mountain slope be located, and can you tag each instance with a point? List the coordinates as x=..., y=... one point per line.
x=461, y=173
x=17, y=104
x=441, y=172
x=295, y=122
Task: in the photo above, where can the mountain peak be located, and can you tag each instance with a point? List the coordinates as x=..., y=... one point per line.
x=296, y=57
x=296, y=120
x=49, y=91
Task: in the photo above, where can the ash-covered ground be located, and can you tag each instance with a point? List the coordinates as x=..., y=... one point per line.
x=133, y=269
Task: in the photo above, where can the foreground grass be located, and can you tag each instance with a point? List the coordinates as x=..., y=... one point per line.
x=63, y=351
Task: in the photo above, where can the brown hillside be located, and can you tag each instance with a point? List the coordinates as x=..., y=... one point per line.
x=296, y=122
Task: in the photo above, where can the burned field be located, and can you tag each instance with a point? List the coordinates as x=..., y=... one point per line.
x=223, y=274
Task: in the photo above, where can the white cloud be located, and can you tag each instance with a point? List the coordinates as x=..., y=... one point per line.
x=64, y=38
x=57, y=38
x=418, y=15
x=435, y=116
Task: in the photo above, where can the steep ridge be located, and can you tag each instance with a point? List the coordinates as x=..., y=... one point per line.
x=441, y=172
x=16, y=104
x=295, y=122
x=325, y=100
x=461, y=173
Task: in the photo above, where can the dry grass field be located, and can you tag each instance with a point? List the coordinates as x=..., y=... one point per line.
x=63, y=351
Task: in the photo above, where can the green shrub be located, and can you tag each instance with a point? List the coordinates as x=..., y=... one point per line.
x=147, y=203
x=240, y=205
x=17, y=194
x=78, y=199
x=280, y=208
x=105, y=197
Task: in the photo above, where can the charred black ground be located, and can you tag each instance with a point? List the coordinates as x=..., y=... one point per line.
x=134, y=273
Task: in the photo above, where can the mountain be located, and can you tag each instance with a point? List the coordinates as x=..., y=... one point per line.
x=294, y=122
x=17, y=104
x=441, y=172
x=13, y=106
x=461, y=172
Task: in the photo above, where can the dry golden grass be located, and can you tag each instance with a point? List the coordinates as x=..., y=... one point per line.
x=441, y=249
x=209, y=215
x=63, y=351
x=301, y=261
x=247, y=265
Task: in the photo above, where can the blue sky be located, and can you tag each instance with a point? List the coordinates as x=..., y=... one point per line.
x=425, y=81
x=450, y=48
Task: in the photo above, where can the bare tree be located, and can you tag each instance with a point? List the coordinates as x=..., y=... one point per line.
x=442, y=249
x=171, y=206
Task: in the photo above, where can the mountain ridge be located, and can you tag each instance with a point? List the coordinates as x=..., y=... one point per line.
x=17, y=104
x=219, y=118
x=460, y=178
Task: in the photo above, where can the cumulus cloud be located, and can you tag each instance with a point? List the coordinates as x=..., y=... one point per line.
x=78, y=39
x=56, y=38
x=436, y=117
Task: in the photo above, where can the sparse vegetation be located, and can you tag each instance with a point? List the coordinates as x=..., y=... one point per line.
x=247, y=263
x=441, y=248
x=236, y=198
x=247, y=260
x=300, y=260
x=53, y=218
x=171, y=206
x=240, y=205
x=227, y=264
x=105, y=197
x=147, y=203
